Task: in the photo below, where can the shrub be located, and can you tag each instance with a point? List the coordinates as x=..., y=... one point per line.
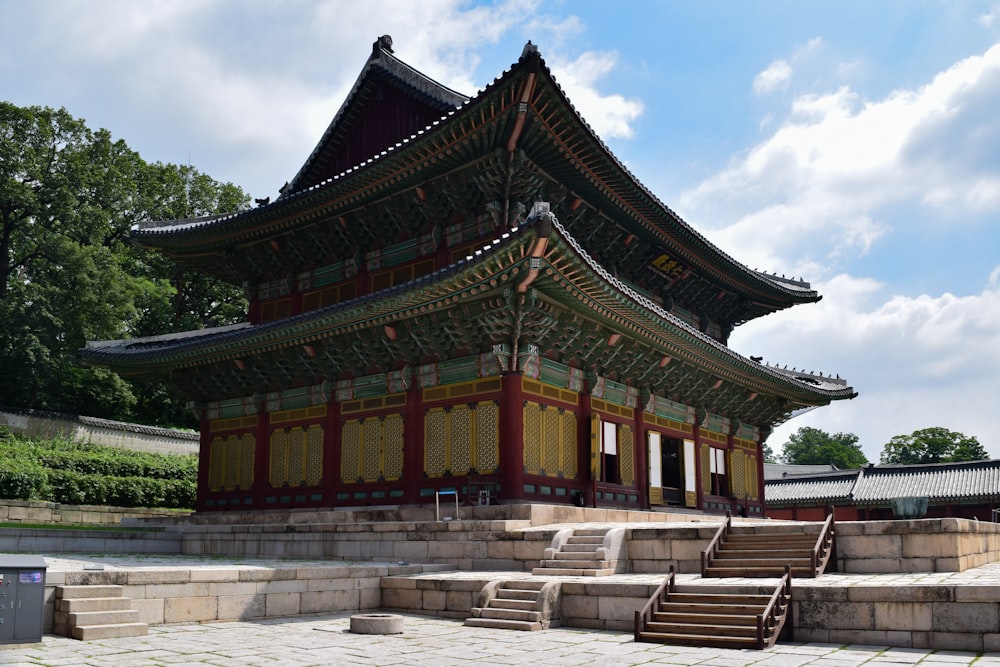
x=21, y=479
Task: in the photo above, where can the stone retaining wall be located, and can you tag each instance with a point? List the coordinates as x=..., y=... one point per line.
x=91, y=541
x=917, y=545
x=236, y=593
x=596, y=604
x=961, y=618
x=43, y=512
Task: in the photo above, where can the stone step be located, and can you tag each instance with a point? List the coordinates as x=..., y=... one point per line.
x=595, y=540
x=580, y=548
x=516, y=594
x=510, y=614
x=575, y=555
x=80, y=592
x=502, y=624
x=524, y=585
x=576, y=564
x=518, y=605
x=78, y=605
x=110, y=631
x=102, y=617
x=571, y=572
x=590, y=532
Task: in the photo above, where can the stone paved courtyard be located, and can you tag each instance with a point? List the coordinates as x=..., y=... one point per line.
x=326, y=640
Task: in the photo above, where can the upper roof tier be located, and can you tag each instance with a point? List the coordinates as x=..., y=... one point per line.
x=406, y=156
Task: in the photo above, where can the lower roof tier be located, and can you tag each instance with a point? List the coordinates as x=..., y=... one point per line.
x=534, y=290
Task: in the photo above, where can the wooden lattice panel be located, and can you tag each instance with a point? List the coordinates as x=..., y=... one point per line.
x=393, y=447
x=296, y=458
x=551, y=442
x=371, y=446
x=435, y=442
x=487, y=437
x=461, y=432
x=278, y=473
x=314, y=455
x=567, y=444
x=626, y=454
x=230, y=462
x=738, y=474
x=350, y=447
x=532, y=438
x=751, y=476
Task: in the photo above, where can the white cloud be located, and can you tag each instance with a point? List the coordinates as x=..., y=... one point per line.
x=916, y=361
x=990, y=18
x=838, y=160
x=611, y=116
x=776, y=76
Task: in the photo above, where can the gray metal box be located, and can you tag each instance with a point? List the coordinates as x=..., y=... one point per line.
x=22, y=598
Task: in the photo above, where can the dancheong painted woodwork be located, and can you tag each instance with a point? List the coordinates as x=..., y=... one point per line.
x=471, y=295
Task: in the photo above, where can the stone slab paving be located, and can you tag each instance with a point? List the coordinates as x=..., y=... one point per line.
x=326, y=640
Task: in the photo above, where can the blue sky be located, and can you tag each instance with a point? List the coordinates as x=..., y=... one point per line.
x=853, y=144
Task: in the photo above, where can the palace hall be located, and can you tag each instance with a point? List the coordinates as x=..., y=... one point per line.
x=471, y=295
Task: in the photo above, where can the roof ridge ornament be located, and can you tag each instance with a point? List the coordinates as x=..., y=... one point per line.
x=529, y=49
x=383, y=43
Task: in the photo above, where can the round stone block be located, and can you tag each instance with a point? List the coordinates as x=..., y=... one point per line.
x=377, y=624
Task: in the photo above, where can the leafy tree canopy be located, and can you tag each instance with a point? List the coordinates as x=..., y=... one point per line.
x=68, y=198
x=933, y=445
x=811, y=446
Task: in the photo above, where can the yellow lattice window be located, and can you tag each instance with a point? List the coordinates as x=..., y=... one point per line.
x=230, y=462
x=737, y=466
x=549, y=441
x=372, y=449
x=487, y=436
x=296, y=456
x=460, y=439
x=751, y=476
x=626, y=454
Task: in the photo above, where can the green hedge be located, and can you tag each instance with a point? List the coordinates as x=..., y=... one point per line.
x=82, y=474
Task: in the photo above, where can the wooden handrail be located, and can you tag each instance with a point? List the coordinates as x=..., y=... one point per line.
x=662, y=592
x=825, y=534
x=713, y=546
x=781, y=595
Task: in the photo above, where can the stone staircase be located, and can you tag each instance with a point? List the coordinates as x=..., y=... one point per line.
x=584, y=552
x=734, y=619
x=764, y=551
x=517, y=605
x=95, y=612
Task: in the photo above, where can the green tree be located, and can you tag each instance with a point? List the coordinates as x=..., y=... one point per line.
x=933, y=445
x=68, y=198
x=811, y=446
x=768, y=452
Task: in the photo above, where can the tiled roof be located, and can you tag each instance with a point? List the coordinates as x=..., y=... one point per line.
x=938, y=482
x=823, y=487
x=782, y=470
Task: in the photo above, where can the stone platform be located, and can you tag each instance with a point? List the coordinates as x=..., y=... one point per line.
x=920, y=584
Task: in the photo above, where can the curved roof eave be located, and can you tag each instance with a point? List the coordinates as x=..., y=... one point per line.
x=155, y=234
x=193, y=348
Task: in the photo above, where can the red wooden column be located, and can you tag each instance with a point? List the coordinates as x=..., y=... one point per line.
x=413, y=443
x=332, y=452
x=511, y=437
x=261, y=460
x=204, y=455
x=760, y=477
x=696, y=434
